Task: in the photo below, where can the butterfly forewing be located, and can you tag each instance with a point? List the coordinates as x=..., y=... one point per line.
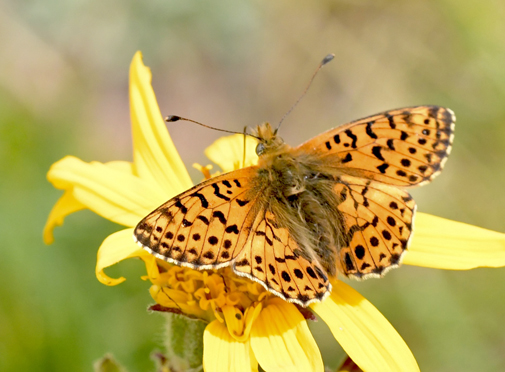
x=378, y=225
x=205, y=226
x=404, y=147
x=271, y=257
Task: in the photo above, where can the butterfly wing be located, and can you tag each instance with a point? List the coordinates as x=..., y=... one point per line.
x=271, y=257
x=225, y=220
x=403, y=147
x=377, y=223
x=206, y=226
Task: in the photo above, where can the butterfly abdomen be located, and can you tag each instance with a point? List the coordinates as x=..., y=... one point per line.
x=303, y=199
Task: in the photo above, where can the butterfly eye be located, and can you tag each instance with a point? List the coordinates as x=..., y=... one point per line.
x=260, y=149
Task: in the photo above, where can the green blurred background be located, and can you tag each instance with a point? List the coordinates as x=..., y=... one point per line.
x=64, y=90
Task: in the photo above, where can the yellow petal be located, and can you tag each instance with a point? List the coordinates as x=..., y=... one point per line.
x=112, y=193
x=451, y=245
x=117, y=247
x=281, y=340
x=120, y=165
x=228, y=152
x=66, y=205
x=363, y=332
x=221, y=352
x=155, y=156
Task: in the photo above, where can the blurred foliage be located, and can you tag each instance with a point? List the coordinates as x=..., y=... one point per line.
x=64, y=90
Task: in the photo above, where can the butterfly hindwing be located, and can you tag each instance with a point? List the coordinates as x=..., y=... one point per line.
x=403, y=147
x=201, y=227
x=271, y=257
x=377, y=223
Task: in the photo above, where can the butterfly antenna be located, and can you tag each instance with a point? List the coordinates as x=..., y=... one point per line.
x=173, y=118
x=325, y=60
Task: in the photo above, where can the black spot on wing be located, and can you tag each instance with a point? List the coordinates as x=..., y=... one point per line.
x=375, y=221
x=347, y=158
x=369, y=130
x=219, y=215
x=374, y=241
x=231, y=229
x=376, y=151
x=391, y=121
x=243, y=262
x=242, y=202
x=209, y=255
x=359, y=250
x=202, y=198
x=382, y=168
x=218, y=193
x=285, y=276
x=181, y=207
x=311, y=272
x=364, y=266
x=406, y=162
x=353, y=137
x=349, y=265
x=204, y=219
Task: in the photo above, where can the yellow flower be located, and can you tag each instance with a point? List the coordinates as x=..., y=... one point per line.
x=246, y=324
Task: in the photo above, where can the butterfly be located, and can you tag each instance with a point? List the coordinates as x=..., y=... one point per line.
x=333, y=205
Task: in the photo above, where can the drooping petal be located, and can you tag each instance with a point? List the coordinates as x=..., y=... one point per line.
x=117, y=247
x=363, y=332
x=65, y=205
x=112, y=193
x=451, y=245
x=221, y=352
x=281, y=340
x=155, y=156
x=228, y=152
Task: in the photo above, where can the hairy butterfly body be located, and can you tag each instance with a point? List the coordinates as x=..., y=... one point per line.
x=331, y=205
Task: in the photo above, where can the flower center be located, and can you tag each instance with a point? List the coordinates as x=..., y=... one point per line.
x=209, y=295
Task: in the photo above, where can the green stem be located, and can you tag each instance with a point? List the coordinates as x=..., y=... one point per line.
x=184, y=343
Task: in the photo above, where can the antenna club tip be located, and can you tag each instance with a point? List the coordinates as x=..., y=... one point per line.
x=327, y=59
x=172, y=118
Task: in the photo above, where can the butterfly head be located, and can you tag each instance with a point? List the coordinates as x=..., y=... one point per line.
x=269, y=141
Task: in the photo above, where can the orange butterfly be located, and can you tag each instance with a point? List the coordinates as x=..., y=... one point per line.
x=331, y=205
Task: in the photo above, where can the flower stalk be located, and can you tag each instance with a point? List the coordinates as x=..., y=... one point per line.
x=184, y=343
